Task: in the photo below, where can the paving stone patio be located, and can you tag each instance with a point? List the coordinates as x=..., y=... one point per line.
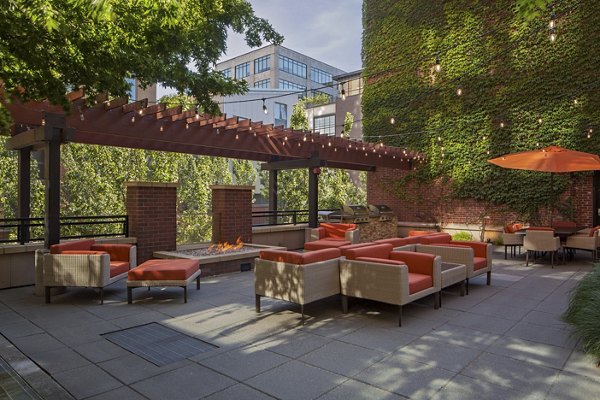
x=504, y=341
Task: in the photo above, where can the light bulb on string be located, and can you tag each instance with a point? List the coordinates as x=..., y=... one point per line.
x=575, y=101
x=162, y=128
x=187, y=126
x=264, y=106
x=237, y=136
x=343, y=92
x=552, y=35
x=501, y=124
x=437, y=67
x=540, y=120
x=392, y=120
x=133, y=118
x=552, y=23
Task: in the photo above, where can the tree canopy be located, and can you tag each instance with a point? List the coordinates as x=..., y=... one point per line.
x=48, y=47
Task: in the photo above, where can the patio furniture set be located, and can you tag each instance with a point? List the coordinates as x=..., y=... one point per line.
x=85, y=263
x=395, y=270
x=562, y=235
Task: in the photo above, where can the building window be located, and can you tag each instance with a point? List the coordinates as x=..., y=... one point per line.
x=227, y=72
x=325, y=124
x=283, y=84
x=263, y=84
x=320, y=76
x=262, y=64
x=132, y=92
x=280, y=114
x=291, y=66
x=242, y=70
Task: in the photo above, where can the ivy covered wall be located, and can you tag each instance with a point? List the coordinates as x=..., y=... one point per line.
x=518, y=91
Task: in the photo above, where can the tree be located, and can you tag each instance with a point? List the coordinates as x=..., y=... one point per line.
x=48, y=47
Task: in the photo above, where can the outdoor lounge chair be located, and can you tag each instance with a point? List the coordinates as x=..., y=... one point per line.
x=512, y=239
x=83, y=263
x=590, y=242
x=394, y=277
x=299, y=278
x=330, y=235
x=477, y=256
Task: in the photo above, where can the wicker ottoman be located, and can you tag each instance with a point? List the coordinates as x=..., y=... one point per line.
x=164, y=272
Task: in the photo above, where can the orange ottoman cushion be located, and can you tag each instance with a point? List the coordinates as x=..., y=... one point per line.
x=164, y=270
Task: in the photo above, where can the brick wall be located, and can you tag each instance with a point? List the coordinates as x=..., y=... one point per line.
x=434, y=203
x=231, y=213
x=152, y=210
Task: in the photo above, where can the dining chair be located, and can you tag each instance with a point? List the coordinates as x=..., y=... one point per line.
x=541, y=240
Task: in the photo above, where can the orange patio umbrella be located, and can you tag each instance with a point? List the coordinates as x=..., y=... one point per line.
x=549, y=159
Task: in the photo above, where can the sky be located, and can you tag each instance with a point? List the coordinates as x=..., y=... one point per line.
x=327, y=30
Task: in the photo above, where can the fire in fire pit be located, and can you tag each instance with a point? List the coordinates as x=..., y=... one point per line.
x=226, y=247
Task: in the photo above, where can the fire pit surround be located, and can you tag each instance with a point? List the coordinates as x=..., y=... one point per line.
x=238, y=257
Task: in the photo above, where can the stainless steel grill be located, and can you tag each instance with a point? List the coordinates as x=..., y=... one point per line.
x=382, y=211
x=355, y=213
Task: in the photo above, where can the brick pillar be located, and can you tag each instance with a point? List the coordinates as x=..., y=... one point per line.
x=231, y=213
x=152, y=210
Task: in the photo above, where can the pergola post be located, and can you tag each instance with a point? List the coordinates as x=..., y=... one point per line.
x=273, y=194
x=24, y=193
x=53, y=137
x=313, y=197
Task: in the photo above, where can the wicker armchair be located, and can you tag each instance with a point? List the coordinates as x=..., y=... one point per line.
x=299, y=278
x=589, y=242
x=84, y=263
x=541, y=240
x=392, y=277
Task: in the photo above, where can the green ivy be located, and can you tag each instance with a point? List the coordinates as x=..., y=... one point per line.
x=510, y=74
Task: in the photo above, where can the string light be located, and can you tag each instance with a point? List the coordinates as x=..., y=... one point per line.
x=392, y=120
x=43, y=121
x=304, y=138
x=187, y=126
x=218, y=131
x=162, y=128
x=264, y=107
x=237, y=136
x=141, y=111
x=343, y=92
x=459, y=91
x=552, y=23
x=133, y=118
x=552, y=35
x=501, y=124
x=438, y=67
x=540, y=120
x=81, y=116
x=575, y=101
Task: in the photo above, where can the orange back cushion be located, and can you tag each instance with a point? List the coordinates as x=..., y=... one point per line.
x=419, y=233
x=437, y=238
x=337, y=231
x=510, y=228
x=419, y=263
x=118, y=252
x=540, y=228
x=87, y=252
x=75, y=245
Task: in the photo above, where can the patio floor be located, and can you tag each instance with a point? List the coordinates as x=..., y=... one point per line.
x=504, y=341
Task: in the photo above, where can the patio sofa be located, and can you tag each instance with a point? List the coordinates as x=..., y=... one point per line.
x=299, y=278
x=330, y=235
x=84, y=263
x=395, y=277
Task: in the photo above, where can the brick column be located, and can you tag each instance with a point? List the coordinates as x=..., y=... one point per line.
x=231, y=213
x=152, y=210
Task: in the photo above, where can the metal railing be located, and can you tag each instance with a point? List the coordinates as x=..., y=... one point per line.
x=280, y=217
x=25, y=230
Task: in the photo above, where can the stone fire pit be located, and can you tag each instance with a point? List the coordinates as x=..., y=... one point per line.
x=237, y=260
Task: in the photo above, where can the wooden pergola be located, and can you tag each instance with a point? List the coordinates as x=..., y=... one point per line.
x=118, y=122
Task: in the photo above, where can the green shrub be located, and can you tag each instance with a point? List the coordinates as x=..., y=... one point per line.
x=462, y=236
x=584, y=314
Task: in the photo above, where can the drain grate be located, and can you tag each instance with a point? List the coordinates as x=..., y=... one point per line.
x=158, y=344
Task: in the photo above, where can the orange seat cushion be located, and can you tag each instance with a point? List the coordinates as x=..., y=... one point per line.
x=419, y=282
x=375, y=251
x=74, y=245
x=164, y=270
x=88, y=252
x=118, y=268
x=118, y=252
x=343, y=249
x=292, y=257
x=420, y=233
x=325, y=244
x=412, y=239
x=396, y=242
x=380, y=260
x=479, y=262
